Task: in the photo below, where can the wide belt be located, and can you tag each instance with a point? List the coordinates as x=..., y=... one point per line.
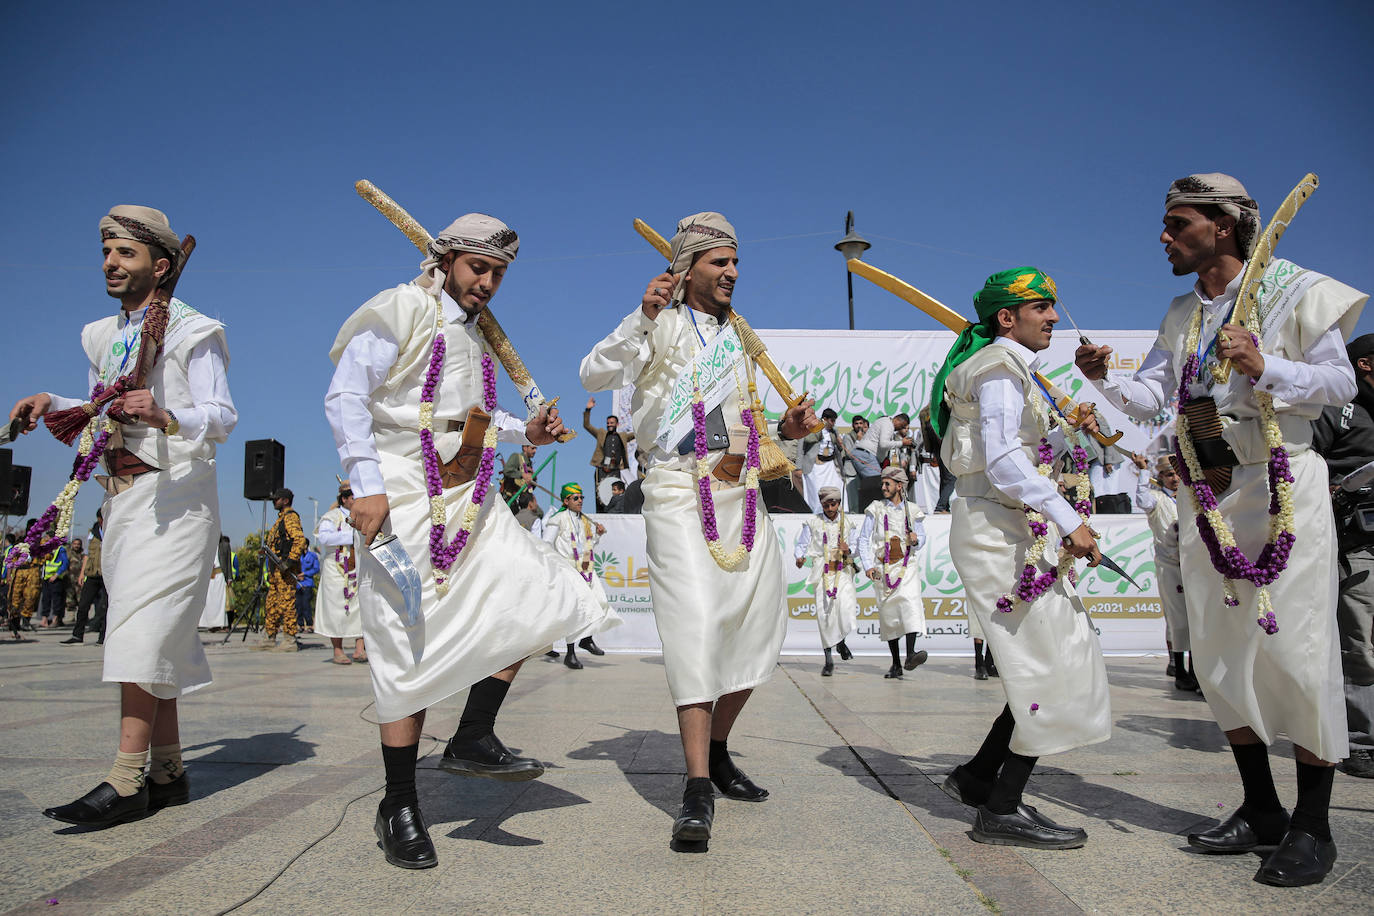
x=121, y=462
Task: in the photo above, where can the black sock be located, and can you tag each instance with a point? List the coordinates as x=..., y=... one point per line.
x=1253, y=762
x=1011, y=782
x=718, y=753
x=978, y=653
x=911, y=644
x=828, y=659
x=479, y=715
x=993, y=753
x=1314, y=800
x=698, y=785
x=1179, y=668
x=400, y=776
x=1191, y=673
x=987, y=657
x=896, y=654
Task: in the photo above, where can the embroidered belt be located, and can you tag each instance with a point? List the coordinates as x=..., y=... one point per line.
x=462, y=467
x=121, y=462
x=1213, y=453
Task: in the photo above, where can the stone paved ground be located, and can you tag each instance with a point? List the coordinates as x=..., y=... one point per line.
x=286, y=777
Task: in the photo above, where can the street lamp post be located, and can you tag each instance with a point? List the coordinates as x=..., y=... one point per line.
x=851, y=246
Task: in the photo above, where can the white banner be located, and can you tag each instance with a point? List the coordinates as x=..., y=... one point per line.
x=1127, y=621
x=881, y=373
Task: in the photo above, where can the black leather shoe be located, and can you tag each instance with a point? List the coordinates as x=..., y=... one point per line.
x=552, y=653
x=828, y=670
x=894, y=671
x=1020, y=829
x=405, y=841
x=71, y=641
x=572, y=661
x=490, y=758
x=1035, y=815
x=1169, y=671
x=1185, y=681
x=992, y=670
x=1300, y=859
x=845, y=654
x=693, y=824
x=732, y=782
x=588, y=644
x=964, y=787
x=916, y=658
x=980, y=673
x=1241, y=833
x=102, y=807
x=169, y=794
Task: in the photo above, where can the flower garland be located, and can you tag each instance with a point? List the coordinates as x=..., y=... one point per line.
x=1226, y=556
x=442, y=553
x=1032, y=584
x=887, y=546
x=726, y=561
x=827, y=568
x=350, y=586
x=577, y=556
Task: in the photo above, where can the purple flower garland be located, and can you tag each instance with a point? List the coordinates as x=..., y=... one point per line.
x=751, y=494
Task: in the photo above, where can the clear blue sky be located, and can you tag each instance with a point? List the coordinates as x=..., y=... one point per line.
x=966, y=137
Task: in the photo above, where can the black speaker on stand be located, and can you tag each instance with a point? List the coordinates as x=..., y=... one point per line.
x=264, y=468
x=17, y=490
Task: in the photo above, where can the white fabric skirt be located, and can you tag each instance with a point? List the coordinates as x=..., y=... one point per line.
x=336, y=617
x=160, y=540
x=1289, y=683
x=609, y=622
x=1047, y=652
x=835, y=617
x=216, y=613
x=509, y=594
x=901, y=610
x=1172, y=602
x=721, y=631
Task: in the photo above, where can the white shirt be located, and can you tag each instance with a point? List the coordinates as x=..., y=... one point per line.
x=1146, y=495
x=881, y=438
x=363, y=367
x=1001, y=401
x=329, y=536
x=214, y=416
x=1324, y=376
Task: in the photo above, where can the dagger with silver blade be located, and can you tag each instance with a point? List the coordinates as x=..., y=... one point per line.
x=387, y=550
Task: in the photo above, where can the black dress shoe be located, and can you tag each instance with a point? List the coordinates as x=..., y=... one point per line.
x=552, y=653
x=169, y=794
x=1241, y=833
x=490, y=758
x=588, y=644
x=828, y=670
x=572, y=661
x=405, y=841
x=693, y=823
x=980, y=673
x=1185, y=681
x=894, y=671
x=1020, y=829
x=1035, y=815
x=71, y=641
x=992, y=670
x=1169, y=671
x=732, y=782
x=1300, y=859
x=964, y=787
x=916, y=658
x=845, y=654
x=102, y=807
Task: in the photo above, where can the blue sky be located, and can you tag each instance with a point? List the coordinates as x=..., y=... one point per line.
x=966, y=137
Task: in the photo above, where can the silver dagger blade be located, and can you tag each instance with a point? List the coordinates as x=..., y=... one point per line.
x=1112, y=565
x=401, y=569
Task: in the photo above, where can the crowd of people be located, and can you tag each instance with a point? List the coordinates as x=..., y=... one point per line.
x=444, y=591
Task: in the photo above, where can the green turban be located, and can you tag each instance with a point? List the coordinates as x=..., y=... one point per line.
x=1005, y=289
x=570, y=489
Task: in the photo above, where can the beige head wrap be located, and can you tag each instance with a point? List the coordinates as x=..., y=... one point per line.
x=828, y=493
x=696, y=233
x=474, y=232
x=892, y=472
x=1221, y=191
x=146, y=225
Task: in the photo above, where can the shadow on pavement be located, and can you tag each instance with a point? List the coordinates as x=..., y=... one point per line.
x=651, y=761
x=235, y=761
x=507, y=798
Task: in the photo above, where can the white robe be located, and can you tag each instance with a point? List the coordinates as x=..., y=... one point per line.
x=901, y=610
x=337, y=615
x=508, y=594
x=721, y=631
x=818, y=542
x=567, y=532
x=1288, y=683
x=1047, y=651
x=216, y=613
x=162, y=532
x=1161, y=508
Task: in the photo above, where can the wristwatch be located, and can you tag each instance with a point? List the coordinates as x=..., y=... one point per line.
x=173, y=424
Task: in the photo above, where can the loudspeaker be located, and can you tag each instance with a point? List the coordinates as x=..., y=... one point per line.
x=17, y=490
x=264, y=468
x=6, y=462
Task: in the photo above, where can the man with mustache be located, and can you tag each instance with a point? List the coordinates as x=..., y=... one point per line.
x=413, y=378
x=720, y=616
x=1283, y=676
x=995, y=427
x=824, y=540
